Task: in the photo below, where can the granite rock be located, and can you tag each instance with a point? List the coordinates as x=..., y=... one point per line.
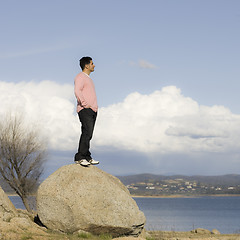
x=7, y=209
x=86, y=198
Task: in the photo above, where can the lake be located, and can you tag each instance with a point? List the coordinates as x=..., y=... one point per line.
x=185, y=214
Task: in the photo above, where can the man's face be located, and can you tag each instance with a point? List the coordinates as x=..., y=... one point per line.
x=90, y=66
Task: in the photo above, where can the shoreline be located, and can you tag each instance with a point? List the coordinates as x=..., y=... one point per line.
x=159, y=196
x=186, y=196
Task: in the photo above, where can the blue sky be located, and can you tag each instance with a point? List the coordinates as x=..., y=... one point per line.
x=167, y=80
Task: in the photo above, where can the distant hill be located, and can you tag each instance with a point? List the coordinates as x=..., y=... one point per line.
x=156, y=185
x=224, y=180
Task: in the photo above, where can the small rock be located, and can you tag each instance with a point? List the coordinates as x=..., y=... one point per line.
x=201, y=231
x=215, y=231
x=129, y=238
x=82, y=232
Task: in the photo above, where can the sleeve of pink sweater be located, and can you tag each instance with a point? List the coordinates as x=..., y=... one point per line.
x=78, y=90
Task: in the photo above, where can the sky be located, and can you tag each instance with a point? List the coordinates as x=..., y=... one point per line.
x=166, y=77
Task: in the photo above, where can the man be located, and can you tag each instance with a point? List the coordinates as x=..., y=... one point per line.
x=87, y=110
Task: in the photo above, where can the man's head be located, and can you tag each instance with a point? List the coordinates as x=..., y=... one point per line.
x=86, y=64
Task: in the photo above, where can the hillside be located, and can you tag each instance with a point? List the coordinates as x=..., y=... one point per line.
x=150, y=184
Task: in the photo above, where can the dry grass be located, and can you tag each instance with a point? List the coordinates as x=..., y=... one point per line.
x=171, y=235
x=49, y=235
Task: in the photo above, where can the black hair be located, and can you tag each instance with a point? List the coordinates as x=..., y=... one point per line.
x=84, y=61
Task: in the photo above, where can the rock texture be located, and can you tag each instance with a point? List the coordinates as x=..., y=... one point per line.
x=7, y=209
x=201, y=231
x=22, y=227
x=215, y=231
x=86, y=198
x=15, y=223
x=129, y=238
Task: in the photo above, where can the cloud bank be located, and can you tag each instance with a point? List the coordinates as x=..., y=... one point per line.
x=167, y=122
x=50, y=106
x=164, y=122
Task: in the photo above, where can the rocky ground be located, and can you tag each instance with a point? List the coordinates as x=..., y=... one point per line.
x=23, y=227
x=17, y=224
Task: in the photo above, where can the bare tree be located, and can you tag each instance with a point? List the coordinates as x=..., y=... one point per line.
x=22, y=156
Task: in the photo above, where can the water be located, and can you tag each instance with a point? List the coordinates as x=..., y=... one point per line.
x=185, y=214
x=17, y=202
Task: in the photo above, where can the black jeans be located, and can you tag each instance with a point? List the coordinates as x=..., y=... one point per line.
x=87, y=118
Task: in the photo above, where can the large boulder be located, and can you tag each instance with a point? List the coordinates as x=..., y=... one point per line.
x=7, y=209
x=86, y=198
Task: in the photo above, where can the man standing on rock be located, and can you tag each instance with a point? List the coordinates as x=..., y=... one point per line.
x=87, y=110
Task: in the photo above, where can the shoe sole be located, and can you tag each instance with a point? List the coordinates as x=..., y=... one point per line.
x=84, y=165
x=94, y=163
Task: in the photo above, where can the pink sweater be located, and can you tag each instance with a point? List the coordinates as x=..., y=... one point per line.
x=85, y=92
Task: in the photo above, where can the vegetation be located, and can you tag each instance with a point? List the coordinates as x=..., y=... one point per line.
x=50, y=235
x=22, y=156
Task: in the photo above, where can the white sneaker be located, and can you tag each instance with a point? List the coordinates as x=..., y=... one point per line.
x=83, y=162
x=93, y=162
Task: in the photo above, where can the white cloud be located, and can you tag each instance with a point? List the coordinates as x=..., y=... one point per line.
x=49, y=105
x=162, y=122
x=143, y=64
x=167, y=122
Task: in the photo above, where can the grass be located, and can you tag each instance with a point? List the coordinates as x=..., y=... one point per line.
x=27, y=236
x=84, y=235
x=105, y=237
